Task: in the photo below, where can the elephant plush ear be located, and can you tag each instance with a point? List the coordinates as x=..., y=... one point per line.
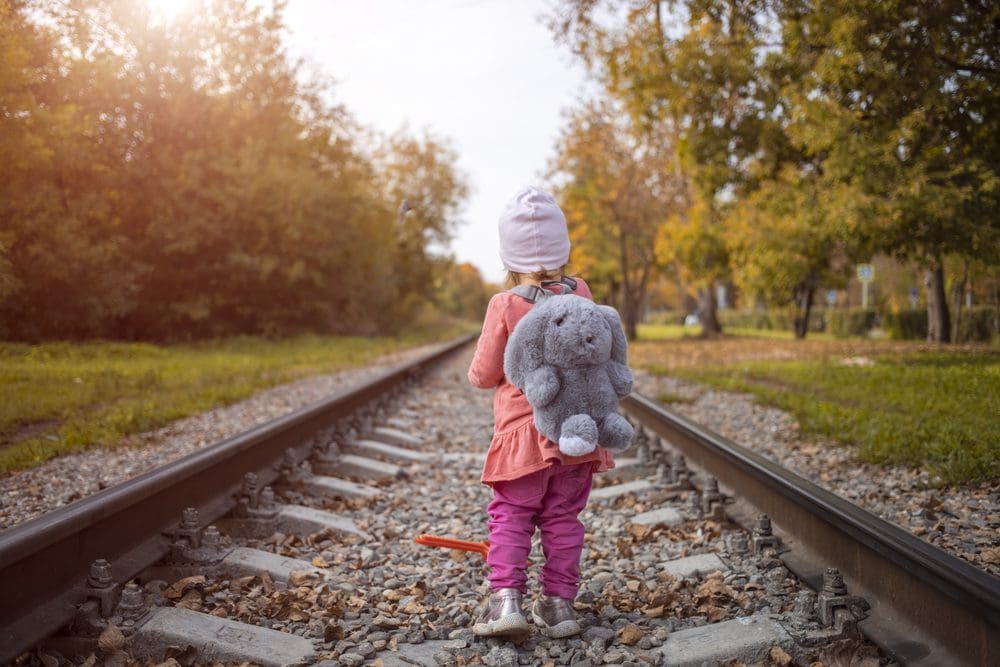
x=619, y=346
x=525, y=348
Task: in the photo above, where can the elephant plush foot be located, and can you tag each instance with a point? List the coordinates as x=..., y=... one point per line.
x=578, y=435
x=616, y=433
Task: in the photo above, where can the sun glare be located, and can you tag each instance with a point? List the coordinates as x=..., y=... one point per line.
x=167, y=10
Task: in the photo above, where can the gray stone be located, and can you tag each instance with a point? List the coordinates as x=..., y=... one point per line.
x=217, y=639
x=391, y=452
x=747, y=639
x=243, y=561
x=352, y=659
x=395, y=436
x=501, y=656
x=334, y=486
x=410, y=654
x=692, y=565
x=614, y=657
x=667, y=516
x=444, y=659
x=618, y=490
x=301, y=520
x=365, y=649
x=351, y=465
x=598, y=633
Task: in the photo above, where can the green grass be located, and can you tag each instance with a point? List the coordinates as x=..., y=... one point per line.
x=57, y=398
x=670, y=397
x=934, y=410
x=678, y=331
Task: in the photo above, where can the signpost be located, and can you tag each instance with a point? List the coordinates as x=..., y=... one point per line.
x=866, y=274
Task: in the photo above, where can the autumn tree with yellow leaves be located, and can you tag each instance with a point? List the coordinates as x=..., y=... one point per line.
x=618, y=183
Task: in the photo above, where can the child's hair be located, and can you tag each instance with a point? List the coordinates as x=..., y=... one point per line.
x=514, y=278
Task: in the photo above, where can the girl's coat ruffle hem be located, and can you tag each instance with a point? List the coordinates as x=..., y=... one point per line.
x=522, y=450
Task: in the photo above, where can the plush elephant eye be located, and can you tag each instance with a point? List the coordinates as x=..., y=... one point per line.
x=559, y=321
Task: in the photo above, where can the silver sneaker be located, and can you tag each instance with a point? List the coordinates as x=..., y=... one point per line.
x=502, y=615
x=555, y=617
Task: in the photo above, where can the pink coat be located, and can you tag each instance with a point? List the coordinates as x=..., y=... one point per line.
x=517, y=448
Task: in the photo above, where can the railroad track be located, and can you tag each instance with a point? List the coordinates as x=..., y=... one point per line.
x=243, y=551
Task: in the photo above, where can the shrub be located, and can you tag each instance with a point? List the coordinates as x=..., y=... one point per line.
x=778, y=319
x=846, y=322
x=910, y=324
x=979, y=324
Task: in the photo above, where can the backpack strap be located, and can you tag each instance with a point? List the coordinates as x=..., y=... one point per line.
x=532, y=293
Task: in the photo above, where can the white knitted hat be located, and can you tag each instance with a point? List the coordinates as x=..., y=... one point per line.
x=533, y=233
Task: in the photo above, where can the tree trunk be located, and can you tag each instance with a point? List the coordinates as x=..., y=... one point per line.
x=958, y=291
x=804, y=294
x=938, y=322
x=707, y=315
x=631, y=322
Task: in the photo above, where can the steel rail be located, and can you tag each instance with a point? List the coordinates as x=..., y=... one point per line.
x=929, y=606
x=44, y=563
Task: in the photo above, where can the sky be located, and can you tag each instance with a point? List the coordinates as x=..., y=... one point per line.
x=486, y=74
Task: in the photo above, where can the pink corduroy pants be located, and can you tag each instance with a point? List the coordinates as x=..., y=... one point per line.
x=549, y=499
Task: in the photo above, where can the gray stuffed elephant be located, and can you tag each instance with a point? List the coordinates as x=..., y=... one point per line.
x=568, y=356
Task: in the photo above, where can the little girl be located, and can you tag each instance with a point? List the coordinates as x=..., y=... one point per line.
x=534, y=484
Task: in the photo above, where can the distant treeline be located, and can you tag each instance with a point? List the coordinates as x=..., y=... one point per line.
x=172, y=180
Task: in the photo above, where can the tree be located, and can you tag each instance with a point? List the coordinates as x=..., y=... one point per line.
x=901, y=100
x=790, y=237
x=422, y=177
x=183, y=179
x=890, y=106
x=617, y=183
x=697, y=67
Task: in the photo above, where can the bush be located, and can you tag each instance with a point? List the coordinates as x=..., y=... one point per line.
x=847, y=322
x=910, y=324
x=782, y=319
x=979, y=324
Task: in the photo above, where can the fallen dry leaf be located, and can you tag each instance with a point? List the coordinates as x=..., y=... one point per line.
x=631, y=634
x=715, y=589
x=301, y=577
x=848, y=653
x=779, y=657
x=991, y=555
x=116, y=659
x=111, y=640
x=267, y=582
x=713, y=613
x=179, y=587
x=639, y=531
x=237, y=585
x=415, y=607
x=191, y=600
x=319, y=561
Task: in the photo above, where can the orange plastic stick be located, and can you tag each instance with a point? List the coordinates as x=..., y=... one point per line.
x=481, y=548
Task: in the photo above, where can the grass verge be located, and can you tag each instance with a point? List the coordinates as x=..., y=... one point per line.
x=652, y=332
x=933, y=410
x=57, y=398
